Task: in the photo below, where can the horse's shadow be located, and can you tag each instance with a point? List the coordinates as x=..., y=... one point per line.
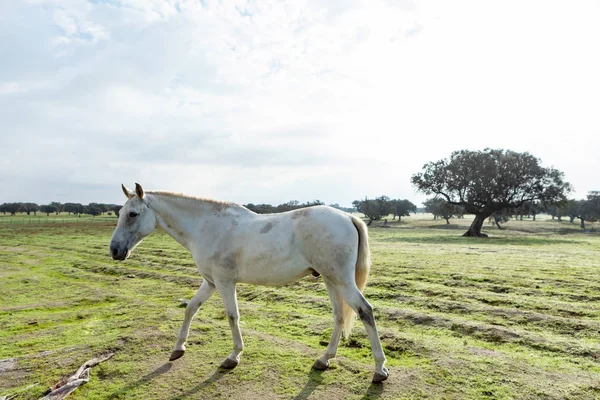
x=315, y=379
x=217, y=375
x=163, y=369
x=373, y=392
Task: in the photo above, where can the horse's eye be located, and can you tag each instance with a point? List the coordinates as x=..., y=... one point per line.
x=133, y=214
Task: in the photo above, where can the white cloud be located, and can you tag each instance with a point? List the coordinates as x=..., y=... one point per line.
x=273, y=100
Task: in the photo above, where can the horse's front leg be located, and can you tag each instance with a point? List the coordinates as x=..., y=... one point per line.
x=206, y=290
x=227, y=291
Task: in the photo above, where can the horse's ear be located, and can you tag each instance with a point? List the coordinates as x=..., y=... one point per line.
x=139, y=191
x=128, y=193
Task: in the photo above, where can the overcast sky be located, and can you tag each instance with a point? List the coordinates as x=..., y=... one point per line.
x=270, y=101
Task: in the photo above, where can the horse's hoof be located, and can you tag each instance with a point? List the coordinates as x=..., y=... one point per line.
x=379, y=377
x=229, y=364
x=176, y=354
x=320, y=365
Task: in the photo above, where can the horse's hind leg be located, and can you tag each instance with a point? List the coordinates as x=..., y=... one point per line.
x=227, y=292
x=206, y=290
x=361, y=306
x=336, y=306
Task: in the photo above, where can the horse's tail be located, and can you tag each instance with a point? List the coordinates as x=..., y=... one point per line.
x=363, y=265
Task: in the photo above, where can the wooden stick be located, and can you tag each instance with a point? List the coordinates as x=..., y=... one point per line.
x=81, y=376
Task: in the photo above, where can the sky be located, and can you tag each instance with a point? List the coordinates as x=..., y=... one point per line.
x=271, y=101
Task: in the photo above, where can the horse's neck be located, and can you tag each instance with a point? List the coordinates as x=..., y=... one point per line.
x=180, y=217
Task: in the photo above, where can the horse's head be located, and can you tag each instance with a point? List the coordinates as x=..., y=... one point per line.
x=136, y=221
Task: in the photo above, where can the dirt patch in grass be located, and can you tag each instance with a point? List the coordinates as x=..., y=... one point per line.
x=493, y=334
x=20, y=249
x=478, y=351
x=9, y=370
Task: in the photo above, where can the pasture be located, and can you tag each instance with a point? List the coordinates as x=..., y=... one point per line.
x=516, y=315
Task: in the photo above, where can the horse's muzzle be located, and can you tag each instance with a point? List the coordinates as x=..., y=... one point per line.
x=118, y=253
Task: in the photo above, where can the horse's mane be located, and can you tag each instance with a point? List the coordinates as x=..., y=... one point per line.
x=183, y=196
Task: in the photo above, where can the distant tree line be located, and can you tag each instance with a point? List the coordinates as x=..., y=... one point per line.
x=57, y=208
x=493, y=184
x=584, y=210
x=289, y=206
x=382, y=206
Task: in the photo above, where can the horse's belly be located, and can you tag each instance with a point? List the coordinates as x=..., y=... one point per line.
x=273, y=273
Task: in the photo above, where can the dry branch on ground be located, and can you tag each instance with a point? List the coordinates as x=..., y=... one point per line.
x=67, y=386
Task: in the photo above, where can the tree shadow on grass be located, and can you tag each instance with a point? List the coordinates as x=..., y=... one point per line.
x=147, y=378
x=216, y=376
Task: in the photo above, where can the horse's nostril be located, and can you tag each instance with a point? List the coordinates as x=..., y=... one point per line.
x=115, y=252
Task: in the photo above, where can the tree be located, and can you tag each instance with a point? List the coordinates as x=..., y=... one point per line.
x=501, y=216
x=345, y=209
x=557, y=210
x=572, y=209
x=441, y=208
x=47, y=208
x=312, y=203
x=289, y=206
x=98, y=207
x=589, y=210
x=374, y=209
x=58, y=207
x=115, y=208
x=488, y=181
x=529, y=209
x=402, y=208
x=260, y=208
x=30, y=208
x=74, y=208
x=93, y=209
x=13, y=208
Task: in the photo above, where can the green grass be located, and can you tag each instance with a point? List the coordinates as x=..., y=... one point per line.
x=516, y=315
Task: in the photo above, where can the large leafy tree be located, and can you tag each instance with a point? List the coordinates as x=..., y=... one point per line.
x=488, y=181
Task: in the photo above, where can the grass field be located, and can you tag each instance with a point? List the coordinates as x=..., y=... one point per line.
x=61, y=218
x=514, y=316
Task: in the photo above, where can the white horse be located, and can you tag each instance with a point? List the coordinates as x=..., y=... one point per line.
x=231, y=244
